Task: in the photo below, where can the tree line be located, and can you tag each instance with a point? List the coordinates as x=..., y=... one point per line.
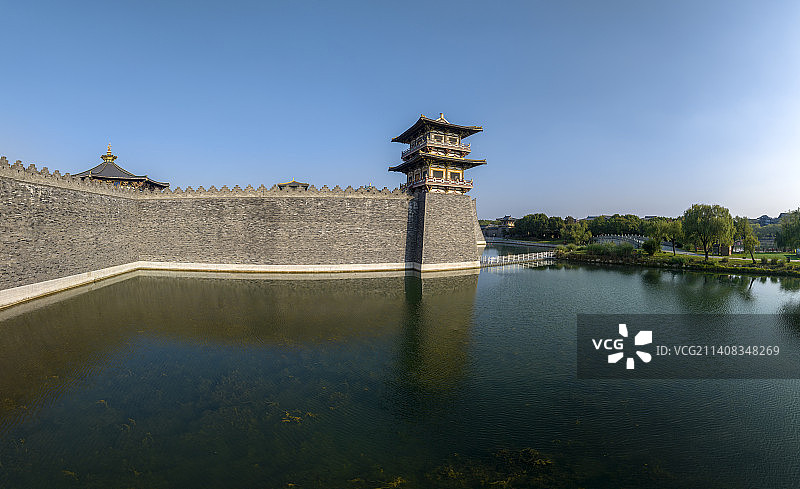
x=701, y=226
x=540, y=226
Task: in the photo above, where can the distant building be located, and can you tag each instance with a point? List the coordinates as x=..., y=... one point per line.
x=764, y=220
x=717, y=249
x=767, y=243
x=492, y=231
x=506, y=221
x=504, y=228
x=113, y=174
x=293, y=185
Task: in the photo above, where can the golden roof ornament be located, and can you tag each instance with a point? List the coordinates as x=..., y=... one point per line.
x=108, y=157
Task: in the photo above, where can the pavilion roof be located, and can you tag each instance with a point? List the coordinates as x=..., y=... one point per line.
x=425, y=123
x=108, y=170
x=293, y=184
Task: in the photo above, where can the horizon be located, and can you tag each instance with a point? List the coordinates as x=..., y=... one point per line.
x=640, y=216
x=587, y=109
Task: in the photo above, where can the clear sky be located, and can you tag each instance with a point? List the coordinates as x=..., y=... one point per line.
x=588, y=107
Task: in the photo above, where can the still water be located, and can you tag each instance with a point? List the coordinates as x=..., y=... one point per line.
x=457, y=381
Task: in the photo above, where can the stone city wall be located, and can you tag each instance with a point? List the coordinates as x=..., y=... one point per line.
x=55, y=226
x=51, y=231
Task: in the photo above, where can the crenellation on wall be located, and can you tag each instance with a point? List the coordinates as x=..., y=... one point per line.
x=249, y=191
x=31, y=174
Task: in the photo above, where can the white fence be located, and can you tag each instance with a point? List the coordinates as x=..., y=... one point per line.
x=494, y=239
x=496, y=261
x=634, y=239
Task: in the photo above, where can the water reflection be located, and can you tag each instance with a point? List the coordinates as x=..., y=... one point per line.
x=369, y=382
x=789, y=283
x=47, y=349
x=700, y=292
x=196, y=372
x=432, y=350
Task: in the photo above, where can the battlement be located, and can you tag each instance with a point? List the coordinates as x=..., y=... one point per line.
x=31, y=174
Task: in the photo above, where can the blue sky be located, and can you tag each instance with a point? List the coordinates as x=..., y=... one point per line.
x=589, y=107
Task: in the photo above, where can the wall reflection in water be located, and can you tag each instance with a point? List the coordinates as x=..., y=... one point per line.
x=52, y=345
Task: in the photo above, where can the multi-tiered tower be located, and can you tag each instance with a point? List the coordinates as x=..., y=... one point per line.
x=435, y=160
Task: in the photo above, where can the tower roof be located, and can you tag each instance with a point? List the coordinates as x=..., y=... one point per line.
x=425, y=123
x=410, y=164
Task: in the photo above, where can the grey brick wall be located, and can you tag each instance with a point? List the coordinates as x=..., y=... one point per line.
x=50, y=232
x=54, y=226
x=449, y=229
x=275, y=230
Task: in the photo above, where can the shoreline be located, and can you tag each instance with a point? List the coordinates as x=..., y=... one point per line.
x=688, y=265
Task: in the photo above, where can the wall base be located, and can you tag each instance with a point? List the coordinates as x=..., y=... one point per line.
x=17, y=295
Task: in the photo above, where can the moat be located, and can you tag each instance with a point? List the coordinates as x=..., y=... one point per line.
x=161, y=380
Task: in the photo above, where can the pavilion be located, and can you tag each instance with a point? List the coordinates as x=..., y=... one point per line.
x=111, y=173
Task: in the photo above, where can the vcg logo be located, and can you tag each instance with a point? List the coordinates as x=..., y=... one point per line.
x=610, y=344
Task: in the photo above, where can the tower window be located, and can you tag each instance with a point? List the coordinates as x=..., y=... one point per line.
x=438, y=173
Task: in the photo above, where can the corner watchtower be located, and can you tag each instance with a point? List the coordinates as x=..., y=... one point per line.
x=435, y=160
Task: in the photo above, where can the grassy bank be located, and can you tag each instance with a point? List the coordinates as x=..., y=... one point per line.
x=625, y=255
x=768, y=256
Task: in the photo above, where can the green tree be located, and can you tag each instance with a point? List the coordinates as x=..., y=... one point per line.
x=539, y=225
x=651, y=246
x=750, y=243
x=531, y=225
x=744, y=231
x=598, y=226
x=554, y=226
x=674, y=232
x=708, y=224
x=788, y=235
x=577, y=232
x=656, y=228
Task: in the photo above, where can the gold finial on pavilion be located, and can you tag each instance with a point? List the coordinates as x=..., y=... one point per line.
x=108, y=157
